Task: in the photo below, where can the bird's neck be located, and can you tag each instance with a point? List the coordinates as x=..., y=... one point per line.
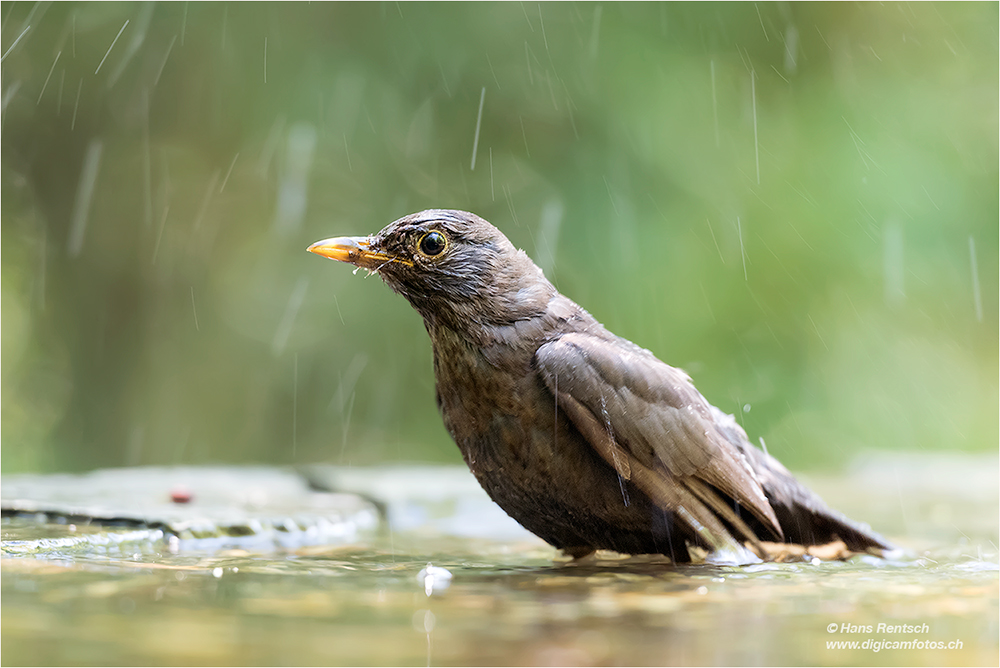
x=510, y=342
x=501, y=296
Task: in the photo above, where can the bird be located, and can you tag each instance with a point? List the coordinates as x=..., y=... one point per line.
x=586, y=439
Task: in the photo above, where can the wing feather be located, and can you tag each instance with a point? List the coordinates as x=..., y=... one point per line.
x=646, y=419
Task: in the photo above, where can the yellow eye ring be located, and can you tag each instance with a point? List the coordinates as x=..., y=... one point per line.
x=432, y=244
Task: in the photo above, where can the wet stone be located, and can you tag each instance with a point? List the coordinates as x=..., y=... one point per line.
x=259, y=508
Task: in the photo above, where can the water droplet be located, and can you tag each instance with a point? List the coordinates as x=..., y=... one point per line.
x=434, y=577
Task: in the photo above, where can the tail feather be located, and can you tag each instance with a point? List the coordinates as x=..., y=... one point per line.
x=804, y=518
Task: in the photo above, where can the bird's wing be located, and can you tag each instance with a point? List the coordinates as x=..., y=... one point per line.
x=647, y=420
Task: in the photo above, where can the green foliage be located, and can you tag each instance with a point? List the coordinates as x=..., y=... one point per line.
x=782, y=199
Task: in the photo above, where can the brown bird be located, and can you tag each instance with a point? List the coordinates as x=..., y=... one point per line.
x=586, y=439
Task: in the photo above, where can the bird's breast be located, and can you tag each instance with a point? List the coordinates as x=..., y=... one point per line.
x=504, y=419
x=524, y=450
x=483, y=405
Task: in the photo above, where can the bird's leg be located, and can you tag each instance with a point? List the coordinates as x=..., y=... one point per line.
x=578, y=552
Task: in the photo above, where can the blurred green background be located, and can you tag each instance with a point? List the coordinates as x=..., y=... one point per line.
x=796, y=203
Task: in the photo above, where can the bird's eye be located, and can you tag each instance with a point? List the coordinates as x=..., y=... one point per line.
x=432, y=244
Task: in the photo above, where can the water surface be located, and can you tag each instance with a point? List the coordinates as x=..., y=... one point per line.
x=511, y=600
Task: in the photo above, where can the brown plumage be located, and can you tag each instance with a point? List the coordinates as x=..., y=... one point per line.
x=586, y=439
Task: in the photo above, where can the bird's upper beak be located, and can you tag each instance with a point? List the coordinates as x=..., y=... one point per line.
x=354, y=250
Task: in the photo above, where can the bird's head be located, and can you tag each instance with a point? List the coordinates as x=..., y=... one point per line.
x=455, y=268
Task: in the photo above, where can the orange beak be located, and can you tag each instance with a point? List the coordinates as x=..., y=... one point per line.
x=354, y=250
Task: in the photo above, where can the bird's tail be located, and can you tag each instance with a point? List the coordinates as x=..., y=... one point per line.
x=804, y=517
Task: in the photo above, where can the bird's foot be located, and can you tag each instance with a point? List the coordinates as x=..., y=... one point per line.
x=578, y=552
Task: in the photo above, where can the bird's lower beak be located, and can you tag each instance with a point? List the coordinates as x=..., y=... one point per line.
x=354, y=250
